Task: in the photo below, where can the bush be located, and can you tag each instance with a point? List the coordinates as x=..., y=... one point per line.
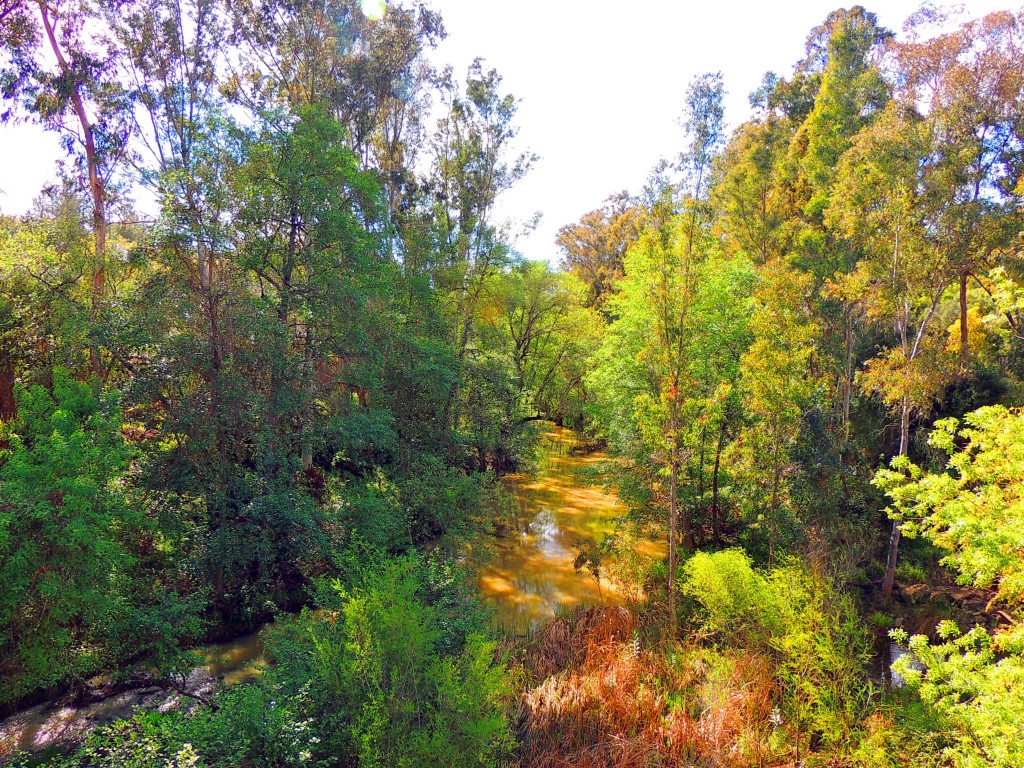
x=973, y=509
x=737, y=603
x=808, y=627
x=382, y=689
x=75, y=598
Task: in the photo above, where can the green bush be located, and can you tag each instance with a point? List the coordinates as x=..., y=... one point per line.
x=381, y=686
x=75, y=597
x=736, y=602
x=805, y=624
x=973, y=509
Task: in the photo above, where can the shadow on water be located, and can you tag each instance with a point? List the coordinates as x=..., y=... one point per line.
x=57, y=724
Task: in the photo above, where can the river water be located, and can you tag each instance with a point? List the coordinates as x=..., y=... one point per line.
x=531, y=574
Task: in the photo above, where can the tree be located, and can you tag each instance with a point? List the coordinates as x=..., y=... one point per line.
x=470, y=169
x=371, y=75
x=538, y=320
x=904, y=272
x=72, y=89
x=748, y=196
x=594, y=248
x=643, y=377
x=850, y=95
x=777, y=388
x=968, y=85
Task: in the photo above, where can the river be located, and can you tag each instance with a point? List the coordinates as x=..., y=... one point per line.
x=528, y=576
x=531, y=574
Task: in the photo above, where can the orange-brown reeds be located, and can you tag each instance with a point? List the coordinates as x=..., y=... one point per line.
x=601, y=700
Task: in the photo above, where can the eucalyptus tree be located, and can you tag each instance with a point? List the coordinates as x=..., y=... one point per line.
x=371, y=74
x=851, y=92
x=56, y=67
x=664, y=381
x=472, y=165
x=778, y=389
x=594, y=248
x=748, y=196
x=641, y=376
x=968, y=86
x=880, y=201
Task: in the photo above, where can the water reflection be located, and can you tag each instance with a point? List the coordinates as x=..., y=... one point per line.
x=532, y=573
x=236, y=660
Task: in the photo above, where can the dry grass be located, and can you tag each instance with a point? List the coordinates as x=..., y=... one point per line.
x=602, y=700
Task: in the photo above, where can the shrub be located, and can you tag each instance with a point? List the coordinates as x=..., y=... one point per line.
x=973, y=509
x=808, y=627
x=363, y=683
x=75, y=598
x=737, y=603
x=383, y=689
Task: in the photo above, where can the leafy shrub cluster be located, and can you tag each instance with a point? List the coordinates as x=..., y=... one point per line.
x=810, y=631
x=973, y=510
x=85, y=585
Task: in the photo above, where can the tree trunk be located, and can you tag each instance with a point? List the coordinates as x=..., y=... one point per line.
x=672, y=511
x=701, y=504
x=96, y=186
x=8, y=405
x=716, y=531
x=848, y=377
x=309, y=374
x=964, y=342
x=889, y=580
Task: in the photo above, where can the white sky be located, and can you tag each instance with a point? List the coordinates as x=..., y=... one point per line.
x=601, y=86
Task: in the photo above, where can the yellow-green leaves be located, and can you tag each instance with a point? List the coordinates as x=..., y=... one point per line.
x=974, y=510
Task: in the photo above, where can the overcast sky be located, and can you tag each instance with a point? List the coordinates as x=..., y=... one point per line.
x=600, y=87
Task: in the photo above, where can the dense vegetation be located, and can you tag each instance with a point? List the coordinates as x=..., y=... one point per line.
x=290, y=394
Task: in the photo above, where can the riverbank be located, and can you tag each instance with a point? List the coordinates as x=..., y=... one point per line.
x=66, y=720
x=549, y=515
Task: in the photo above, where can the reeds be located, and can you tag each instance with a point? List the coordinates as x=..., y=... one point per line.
x=602, y=700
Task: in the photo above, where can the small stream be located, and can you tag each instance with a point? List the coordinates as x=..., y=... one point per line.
x=64, y=721
x=531, y=574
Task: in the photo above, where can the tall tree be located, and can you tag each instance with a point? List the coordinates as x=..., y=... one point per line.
x=594, y=248
x=471, y=167
x=968, y=85
x=58, y=68
x=879, y=200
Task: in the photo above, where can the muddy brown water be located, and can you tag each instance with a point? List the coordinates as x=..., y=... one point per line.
x=531, y=575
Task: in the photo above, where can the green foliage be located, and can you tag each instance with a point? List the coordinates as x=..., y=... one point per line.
x=375, y=672
x=327, y=349
x=971, y=509
x=374, y=681
x=68, y=536
x=811, y=630
x=974, y=510
x=976, y=680
x=736, y=601
x=777, y=391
